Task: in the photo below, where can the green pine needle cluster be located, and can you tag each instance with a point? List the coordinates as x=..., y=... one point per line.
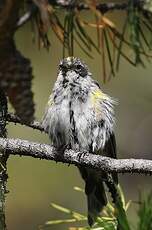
x=111, y=215
x=145, y=213
x=133, y=42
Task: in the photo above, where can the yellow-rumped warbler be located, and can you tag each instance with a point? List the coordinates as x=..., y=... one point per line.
x=81, y=117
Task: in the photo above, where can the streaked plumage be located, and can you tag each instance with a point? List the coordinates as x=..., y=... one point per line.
x=80, y=116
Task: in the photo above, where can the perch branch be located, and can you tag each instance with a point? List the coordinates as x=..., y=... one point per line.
x=48, y=152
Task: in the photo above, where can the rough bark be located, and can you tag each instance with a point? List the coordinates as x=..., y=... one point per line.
x=3, y=160
x=15, y=70
x=43, y=151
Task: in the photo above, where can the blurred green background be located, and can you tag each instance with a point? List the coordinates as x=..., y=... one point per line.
x=33, y=184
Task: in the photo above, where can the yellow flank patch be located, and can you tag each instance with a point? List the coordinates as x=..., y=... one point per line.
x=98, y=94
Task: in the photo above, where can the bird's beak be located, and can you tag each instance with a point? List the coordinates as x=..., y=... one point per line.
x=69, y=61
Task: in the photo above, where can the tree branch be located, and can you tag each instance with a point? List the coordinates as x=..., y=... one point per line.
x=102, y=7
x=48, y=152
x=15, y=119
x=3, y=160
x=109, y=6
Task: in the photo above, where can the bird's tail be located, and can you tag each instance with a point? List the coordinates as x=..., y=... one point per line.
x=95, y=191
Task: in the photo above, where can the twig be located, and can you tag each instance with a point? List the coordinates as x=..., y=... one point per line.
x=109, y=6
x=48, y=152
x=102, y=7
x=15, y=119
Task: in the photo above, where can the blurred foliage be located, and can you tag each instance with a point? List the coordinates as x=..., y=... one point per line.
x=110, y=39
x=108, y=221
x=148, y=5
x=145, y=213
x=110, y=215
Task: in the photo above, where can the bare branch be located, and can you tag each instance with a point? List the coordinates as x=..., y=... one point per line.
x=34, y=125
x=48, y=152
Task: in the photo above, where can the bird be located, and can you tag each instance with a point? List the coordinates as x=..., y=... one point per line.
x=80, y=116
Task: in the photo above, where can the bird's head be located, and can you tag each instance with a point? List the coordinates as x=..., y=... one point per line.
x=72, y=67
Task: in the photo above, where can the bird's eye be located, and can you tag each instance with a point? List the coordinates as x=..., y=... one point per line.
x=78, y=66
x=61, y=66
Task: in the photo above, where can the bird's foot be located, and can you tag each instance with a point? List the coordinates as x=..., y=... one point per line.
x=82, y=154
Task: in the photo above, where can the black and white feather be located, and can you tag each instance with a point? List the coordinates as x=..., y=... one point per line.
x=80, y=116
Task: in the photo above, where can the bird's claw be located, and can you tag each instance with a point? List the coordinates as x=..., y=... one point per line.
x=81, y=154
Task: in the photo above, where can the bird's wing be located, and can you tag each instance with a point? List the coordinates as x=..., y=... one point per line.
x=44, y=120
x=103, y=118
